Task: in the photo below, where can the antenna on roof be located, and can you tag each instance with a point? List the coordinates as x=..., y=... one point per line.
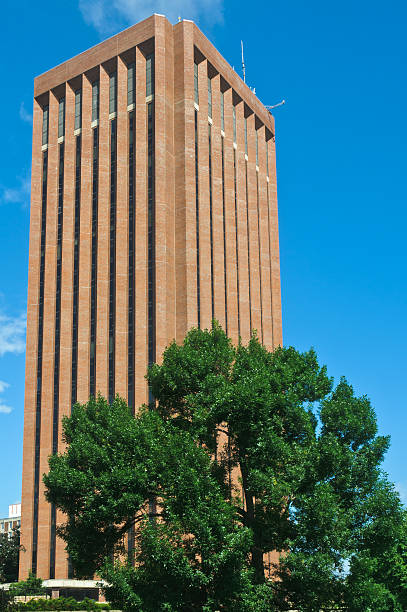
x=275, y=105
x=243, y=66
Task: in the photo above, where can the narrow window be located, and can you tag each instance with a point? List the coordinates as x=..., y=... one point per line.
x=131, y=305
x=198, y=280
x=234, y=123
x=150, y=216
x=55, y=416
x=77, y=222
x=61, y=118
x=224, y=235
x=151, y=234
x=95, y=100
x=112, y=262
x=196, y=90
x=270, y=270
x=209, y=98
x=257, y=149
x=259, y=242
x=245, y=135
x=131, y=71
x=211, y=218
x=94, y=251
x=39, y=363
x=149, y=76
x=267, y=158
x=112, y=93
x=222, y=111
x=237, y=240
x=45, y=125
x=248, y=247
x=78, y=109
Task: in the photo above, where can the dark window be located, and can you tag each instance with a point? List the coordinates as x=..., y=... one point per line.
x=257, y=148
x=234, y=123
x=78, y=109
x=132, y=288
x=245, y=135
x=237, y=240
x=112, y=92
x=95, y=100
x=248, y=246
x=61, y=117
x=267, y=158
x=209, y=98
x=112, y=263
x=198, y=280
x=94, y=251
x=224, y=235
x=211, y=218
x=149, y=75
x=151, y=233
x=39, y=363
x=259, y=242
x=77, y=223
x=196, y=88
x=222, y=111
x=131, y=73
x=45, y=121
x=55, y=416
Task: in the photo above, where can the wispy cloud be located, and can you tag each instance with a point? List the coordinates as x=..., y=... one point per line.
x=108, y=16
x=19, y=194
x=402, y=490
x=4, y=409
x=24, y=114
x=12, y=335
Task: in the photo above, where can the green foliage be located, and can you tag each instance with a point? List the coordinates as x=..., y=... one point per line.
x=9, y=555
x=6, y=601
x=31, y=586
x=310, y=486
x=62, y=603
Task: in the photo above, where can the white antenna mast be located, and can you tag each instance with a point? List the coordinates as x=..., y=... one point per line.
x=275, y=105
x=243, y=66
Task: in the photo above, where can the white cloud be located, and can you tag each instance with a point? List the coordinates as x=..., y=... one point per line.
x=108, y=16
x=3, y=386
x=19, y=195
x=402, y=490
x=24, y=114
x=12, y=334
x=3, y=408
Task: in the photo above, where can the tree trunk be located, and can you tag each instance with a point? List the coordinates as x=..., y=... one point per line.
x=250, y=521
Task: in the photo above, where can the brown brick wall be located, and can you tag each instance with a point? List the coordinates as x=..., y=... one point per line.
x=175, y=226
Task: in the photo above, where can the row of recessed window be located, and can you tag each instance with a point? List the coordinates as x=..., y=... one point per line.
x=222, y=113
x=131, y=73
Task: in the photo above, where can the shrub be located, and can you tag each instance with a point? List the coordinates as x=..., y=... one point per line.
x=62, y=603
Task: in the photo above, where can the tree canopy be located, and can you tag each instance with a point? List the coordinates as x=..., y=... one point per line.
x=9, y=553
x=246, y=452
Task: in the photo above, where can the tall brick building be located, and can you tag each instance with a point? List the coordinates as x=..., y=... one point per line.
x=153, y=210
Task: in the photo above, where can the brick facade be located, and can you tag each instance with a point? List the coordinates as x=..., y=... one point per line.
x=233, y=276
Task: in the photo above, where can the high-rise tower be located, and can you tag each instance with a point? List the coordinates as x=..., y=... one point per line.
x=153, y=210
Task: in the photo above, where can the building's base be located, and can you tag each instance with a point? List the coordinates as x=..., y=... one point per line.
x=78, y=589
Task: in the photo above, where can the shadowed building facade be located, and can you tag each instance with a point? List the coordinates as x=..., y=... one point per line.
x=153, y=210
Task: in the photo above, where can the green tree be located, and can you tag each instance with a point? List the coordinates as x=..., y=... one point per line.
x=306, y=481
x=31, y=586
x=9, y=555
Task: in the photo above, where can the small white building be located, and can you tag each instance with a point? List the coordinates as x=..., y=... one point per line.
x=13, y=520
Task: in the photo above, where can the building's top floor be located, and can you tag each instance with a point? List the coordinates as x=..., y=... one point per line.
x=159, y=29
x=14, y=510
x=13, y=520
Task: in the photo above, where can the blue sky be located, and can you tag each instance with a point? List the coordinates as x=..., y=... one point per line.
x=341, y=147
